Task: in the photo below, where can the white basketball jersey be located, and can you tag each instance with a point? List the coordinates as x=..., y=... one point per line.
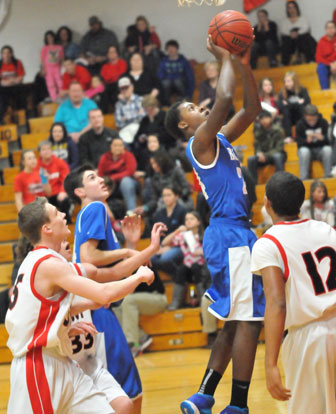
x=33, y=321
x=305, y=250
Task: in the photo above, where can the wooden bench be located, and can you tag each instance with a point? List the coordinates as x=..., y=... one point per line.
x=8, y=212
x=3, y=149
x=5, y=354
x=6, y=193
x=9, y=232
x=6, y=253
x=40, y=125
x=31, y=141
x=109, y=121
x=5, y=274
x=9, y=174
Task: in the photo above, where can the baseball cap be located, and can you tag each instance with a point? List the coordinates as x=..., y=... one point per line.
x=93, y=20
x=122, y=82
x=310, y=110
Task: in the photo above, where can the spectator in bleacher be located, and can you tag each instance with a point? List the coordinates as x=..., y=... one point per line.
x=129, y=111
x=74, y=112
x=165, y=172
x=144, y=166
x=326, y=55
x=175, y=74
x=267, y=97
x=11, y=77
x=268, y=145
x=189, y=238
x=54, y=170
x=111, y=71
x=295, y=35
x=120, y=165
x=319, y=206
x=64, y=38
x=207, y=89
x=95, y=44
x=145, y=81
x=28, y=184
x=313, y=143
x=145, y=300
x=62, y=145
x=333, y=137
x=291, y=101
x=143, y=38
x=74, y=73
x=97, y=93
x=152, y=123
x=96, y=140
x=51, y=61
x=265, y=41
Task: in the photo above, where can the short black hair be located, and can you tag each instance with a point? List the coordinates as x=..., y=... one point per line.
x=173, y=43
x=172, y=120
x=286, y=192
x=264, y=114
x=75, y=180
x=46, y=34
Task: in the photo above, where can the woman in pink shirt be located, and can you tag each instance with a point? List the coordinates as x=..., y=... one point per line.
x=51, y=58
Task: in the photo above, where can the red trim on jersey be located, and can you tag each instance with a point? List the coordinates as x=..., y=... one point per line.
x=288, y=223
x=35, y=293
x=282, y=252
x=78, y=269
x=37, y=383
x=40, y=247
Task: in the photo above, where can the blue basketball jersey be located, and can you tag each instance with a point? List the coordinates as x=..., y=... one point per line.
x=222, y=181
x=93, y=223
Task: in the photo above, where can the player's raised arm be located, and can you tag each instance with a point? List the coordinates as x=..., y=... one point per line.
x=251, y=105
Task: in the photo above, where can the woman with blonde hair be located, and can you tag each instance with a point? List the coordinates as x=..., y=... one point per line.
x=291, y=101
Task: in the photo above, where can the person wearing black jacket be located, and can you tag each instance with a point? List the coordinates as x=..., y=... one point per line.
x=96, y=141
x=265, y=41
x=312, y=141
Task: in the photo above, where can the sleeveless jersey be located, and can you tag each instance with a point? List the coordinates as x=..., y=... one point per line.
x=222, y=181
x=33, y=321
x=305, y=250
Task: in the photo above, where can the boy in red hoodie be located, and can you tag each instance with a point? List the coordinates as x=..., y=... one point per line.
x=326, y=55
x=54, y=170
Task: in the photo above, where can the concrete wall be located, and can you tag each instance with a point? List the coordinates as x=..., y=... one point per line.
x=29, y=19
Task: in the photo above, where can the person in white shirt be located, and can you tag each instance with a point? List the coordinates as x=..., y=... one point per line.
x=297, y=261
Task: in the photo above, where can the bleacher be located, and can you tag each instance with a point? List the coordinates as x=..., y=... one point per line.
x=171, y=329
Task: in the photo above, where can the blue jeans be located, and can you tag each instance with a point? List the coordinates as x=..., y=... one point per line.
x=168, y=261
x=306, y=155
x=128, y=188
x=323, y=73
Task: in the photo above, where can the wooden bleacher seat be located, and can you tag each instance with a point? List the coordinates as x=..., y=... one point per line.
x=8, y=133
x=6, y=253
x=5, y=354
x=31, y=141
x=9, y=232
x=5, y=275
x=3, y=149
x=40, y=125
x=47, y=109
x=6, y=193
x=109, y=121
x=9, y=174
x=8, y=212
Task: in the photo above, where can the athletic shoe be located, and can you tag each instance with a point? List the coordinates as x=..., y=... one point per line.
x=145, y=342
x=198, y=404
x=230, y=409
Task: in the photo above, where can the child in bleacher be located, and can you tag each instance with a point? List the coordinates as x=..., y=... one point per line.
x=62, y=145
x=267, y=97
x=189, y=239
x=97, y=93
x=51, y=58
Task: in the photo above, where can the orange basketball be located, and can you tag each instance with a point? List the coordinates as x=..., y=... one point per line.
x=231, y=30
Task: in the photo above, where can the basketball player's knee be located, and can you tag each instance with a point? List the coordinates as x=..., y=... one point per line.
x=122, y=405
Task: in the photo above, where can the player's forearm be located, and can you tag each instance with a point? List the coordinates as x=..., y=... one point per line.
x=103, y=257
x=251, y=98
x=83, y=305
x=275, y=314
x=115, y=291
x=126, y=267
x=227, y=82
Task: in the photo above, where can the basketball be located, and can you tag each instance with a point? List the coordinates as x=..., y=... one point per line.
x=231, y=30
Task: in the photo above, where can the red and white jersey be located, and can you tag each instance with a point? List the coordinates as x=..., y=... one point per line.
x=33, y=321
x=305, y=250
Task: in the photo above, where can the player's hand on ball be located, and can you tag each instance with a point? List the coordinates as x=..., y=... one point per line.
x=146, y=274
x=217, y=51
x=245, y=57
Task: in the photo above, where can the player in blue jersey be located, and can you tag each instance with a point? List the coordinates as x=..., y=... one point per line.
x=96, y=243
x=236, y=295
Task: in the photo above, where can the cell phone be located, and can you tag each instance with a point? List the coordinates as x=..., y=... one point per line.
x=44, y=178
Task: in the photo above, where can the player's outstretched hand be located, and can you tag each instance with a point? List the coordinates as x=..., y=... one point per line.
x=217, y=51
x=158, y=231
x=146, y=274
x=274, y=384
x=82, y=327
x=245, y=57
x=131, y=229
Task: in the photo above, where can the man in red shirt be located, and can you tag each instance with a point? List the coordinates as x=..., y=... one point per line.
x=72, y=73
x=326, y=55
x=54, y=170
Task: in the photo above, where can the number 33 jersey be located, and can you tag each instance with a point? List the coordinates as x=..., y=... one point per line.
x=305, y=251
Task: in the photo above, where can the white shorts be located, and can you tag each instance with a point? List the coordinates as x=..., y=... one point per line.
x=103, y=380
x=47, y=383
x=309, y=360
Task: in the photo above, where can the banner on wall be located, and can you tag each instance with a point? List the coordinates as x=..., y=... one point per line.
x=249, y=5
